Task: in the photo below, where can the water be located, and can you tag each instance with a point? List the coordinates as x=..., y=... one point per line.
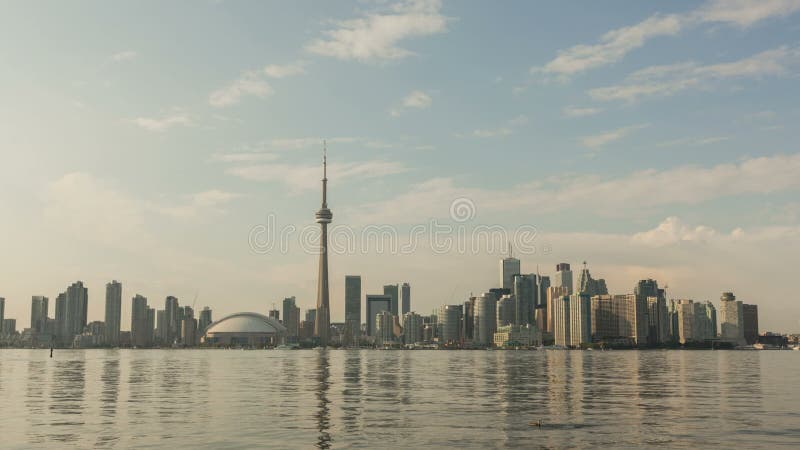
x=381, y=399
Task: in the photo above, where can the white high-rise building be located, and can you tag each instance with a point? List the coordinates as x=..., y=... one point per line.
x=580, y=318
x=563, y=277
x=561, y=319
x=731, y=319
x=485, y=319
x=449, y=323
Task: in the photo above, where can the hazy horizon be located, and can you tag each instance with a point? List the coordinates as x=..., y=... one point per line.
x=145, y=142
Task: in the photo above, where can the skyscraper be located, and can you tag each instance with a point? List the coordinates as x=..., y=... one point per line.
x=206, y=320
x=525, y=298
x=384, y=328
x=485, y=319
x=291, y=319
x=39, y=310
x=171, y=312
x=506, y=311
x=139, y=322
x=590, y=286
x=376, y=304
x=508, y=268
x=563, y=277
x=2, y=313
x=580, y=317
x=113, y=312
x=561, y=317
x=393, y=291
x=352, y=307
x=750, y=323
x=731, y=319
x=412, y=328
x=77, y=303
x=405, y=291
x=449, y=323
x=61, y=318
x=324, y=216
x=189, y=327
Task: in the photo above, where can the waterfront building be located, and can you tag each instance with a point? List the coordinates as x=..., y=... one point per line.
x=750, y=323
x=141, y=335
x=590, y=286
x=291, y=319
x=73, y=316
x=39, y=311
x=162, y=328
x=711, y=316
x=173, y=331
x=206, y=320
x=468, y=324
x=9, y=327
x=245, y=329
x=563, y=277
x=352, y=307
x=405, y=297
x=412, y=328
x=635, y=324
x=449, y=323
x=731, y=319
x=61, y=319
x=506, y=310
x=376, y=304
x=485, y=319
x=393, y=291
x=657, y=319
x=554, y=293
x=2, y=314
x=384, y=328
x=189, y=328
x=508, y=268
x=561, y=317
x=580, y=317
x=113, y=313
x=525, y=298
x=511, y=336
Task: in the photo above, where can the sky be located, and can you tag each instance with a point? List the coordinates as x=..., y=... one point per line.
x=170, y=145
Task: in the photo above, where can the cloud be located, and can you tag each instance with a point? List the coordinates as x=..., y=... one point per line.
x=248, y=84
x=243, y=157
x=306, y=177
x=684, y=185
x=667, y=80
x=672, y=231
x=599, y=140
x=616, y=44
x=201, y=203
x=286, y=70
x=126, y=55
x=163, y=123
x=375, y=37
x=504, y=130
x=694, y=142
x=745, y=13
x=414, y=100
x=574, y=111
x=613, y=46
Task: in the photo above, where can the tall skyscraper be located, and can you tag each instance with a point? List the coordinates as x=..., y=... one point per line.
x=61, y=319
x=525, y=298
x=561, y=317
x=384, y=328
x=162, y=328
x=554, y=294
x=324, y=216
x=405, y=295
x=563, y=277
x=485, y=319
x=113, y=312
x=731, y=319
x=393, y=291
x=750, y=323
x=77, y=303
x=412, y=328
x=352, y=307
x=188, y=327
x=580, y=317
x=376, y=304
x=172, y=313
x=506, y=311
x=508, y=268
x=590, y=286
x=206, y=320
x=39, y=310
x=2, y=313
x=140, y=335
x=468, y=324
x=449, y=323
x=291, y=319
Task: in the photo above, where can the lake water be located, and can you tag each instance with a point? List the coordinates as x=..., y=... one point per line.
x=389, y=399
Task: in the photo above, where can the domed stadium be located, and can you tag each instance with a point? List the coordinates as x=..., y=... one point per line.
x=245, y=329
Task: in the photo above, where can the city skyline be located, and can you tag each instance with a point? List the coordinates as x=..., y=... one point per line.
x=664, y=151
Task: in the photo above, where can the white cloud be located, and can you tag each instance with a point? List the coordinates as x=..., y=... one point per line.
x=306, y=177
x=574, y=111
x=248, y=84
x=667, y=80
x=672, y=231
x=745, y=13
x=201, y=203
x=414, y=100
x=376, y=36
x=694, y=142
x=684, y=185
x=616, y=44
x=286, y=70
x=243, y=157
x=163, y=123
x=126, y=55
x=599, y=140
x=504, y=130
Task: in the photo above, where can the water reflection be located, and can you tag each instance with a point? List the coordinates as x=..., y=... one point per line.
x=352, y=392
x=323, y=414
x=67, y=391
x=109, y=396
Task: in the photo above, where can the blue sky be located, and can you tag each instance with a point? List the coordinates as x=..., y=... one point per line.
x=143, y=141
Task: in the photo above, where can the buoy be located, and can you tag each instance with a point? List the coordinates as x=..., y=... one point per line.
x=537, y=423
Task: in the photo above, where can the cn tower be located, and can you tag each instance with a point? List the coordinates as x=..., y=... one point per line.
x=324, y=216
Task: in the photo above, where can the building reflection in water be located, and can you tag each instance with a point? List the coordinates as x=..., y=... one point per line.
x=352, y=393
x=67, y=392
x=109, y=396
x=323, y=410
x=34, y=399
